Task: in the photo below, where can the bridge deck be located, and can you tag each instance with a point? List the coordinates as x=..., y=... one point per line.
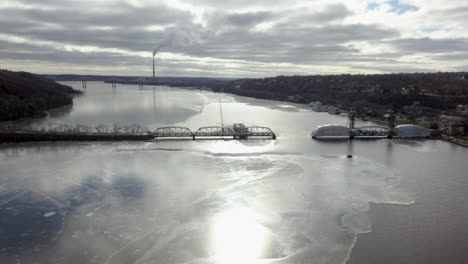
x=371, y=131
x=213, y=132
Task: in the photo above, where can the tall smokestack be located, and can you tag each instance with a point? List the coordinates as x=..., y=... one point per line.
x=154, y=74
x=155, y=51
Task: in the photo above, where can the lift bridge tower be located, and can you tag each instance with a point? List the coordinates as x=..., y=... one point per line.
x=391, y=123
x=352, y=120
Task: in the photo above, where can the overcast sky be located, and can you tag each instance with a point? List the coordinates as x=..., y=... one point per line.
x=233, y=38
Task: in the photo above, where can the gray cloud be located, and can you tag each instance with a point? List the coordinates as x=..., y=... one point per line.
x=119, y=15
x=226, y=32
x=329, y=13
x=250, y=18
x=428, y=45
x=459, y=13
x=283, y=44
x=239, y=4
x=455, y=56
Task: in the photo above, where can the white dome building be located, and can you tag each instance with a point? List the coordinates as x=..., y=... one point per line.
x=412, y=131
x=331, y=131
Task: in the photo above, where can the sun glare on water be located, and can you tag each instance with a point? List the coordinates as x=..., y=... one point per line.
x=237, y=147
x=237, y=237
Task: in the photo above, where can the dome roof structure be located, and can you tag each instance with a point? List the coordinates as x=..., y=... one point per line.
x=331, y=131
x=412, y=131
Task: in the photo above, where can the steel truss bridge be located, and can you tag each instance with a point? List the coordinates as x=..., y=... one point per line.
x=371, y=131
x=214, y=132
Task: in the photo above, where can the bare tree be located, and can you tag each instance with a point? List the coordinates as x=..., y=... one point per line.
x=100, y=128
x=53, y=127
x=142, y=130
x=127, y=129
x=149, y=132
x=67, y=128
x=116, y=128
x=60, y=128
x=135, y=128
x=88, y=129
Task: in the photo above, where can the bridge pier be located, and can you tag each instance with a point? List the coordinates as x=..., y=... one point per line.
x=83, y=84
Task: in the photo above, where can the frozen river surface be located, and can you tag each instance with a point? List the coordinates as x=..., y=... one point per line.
x=293, y=200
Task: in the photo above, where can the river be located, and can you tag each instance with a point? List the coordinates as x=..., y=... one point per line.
x=290, y=200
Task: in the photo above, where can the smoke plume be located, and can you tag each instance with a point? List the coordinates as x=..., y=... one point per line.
x=177, y=36
x=156, y=49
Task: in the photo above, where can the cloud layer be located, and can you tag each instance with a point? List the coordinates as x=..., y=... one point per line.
x=233, y=38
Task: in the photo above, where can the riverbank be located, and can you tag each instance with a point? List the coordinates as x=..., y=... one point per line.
x=456, y=141
x=379, y=121
x=43, y=114
x=450, y=139
x=27, y=95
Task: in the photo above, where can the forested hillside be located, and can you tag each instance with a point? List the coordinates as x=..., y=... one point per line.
x=24, y=94
x=437, y=90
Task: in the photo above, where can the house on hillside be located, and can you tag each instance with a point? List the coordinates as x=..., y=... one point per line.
x=462, y=108
x=406, y=91
x=416, y=110
x=454, y=125
x=377, y=88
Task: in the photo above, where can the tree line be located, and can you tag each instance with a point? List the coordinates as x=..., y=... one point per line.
x=50, y=128
x=437, y=90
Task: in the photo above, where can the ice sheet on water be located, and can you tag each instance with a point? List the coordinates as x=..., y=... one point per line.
x=162, y=206
x=313, y=206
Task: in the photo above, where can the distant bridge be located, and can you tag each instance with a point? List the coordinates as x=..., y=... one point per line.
x=214, y=132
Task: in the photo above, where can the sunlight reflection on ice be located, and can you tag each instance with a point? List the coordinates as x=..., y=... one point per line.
x=237, y=236
x=238, y=147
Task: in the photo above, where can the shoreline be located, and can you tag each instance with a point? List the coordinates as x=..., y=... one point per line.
x=46, y=113
x=449, y=139
x=29, y=96
x=456, y=141
x=42, y=114
x=18, y=137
